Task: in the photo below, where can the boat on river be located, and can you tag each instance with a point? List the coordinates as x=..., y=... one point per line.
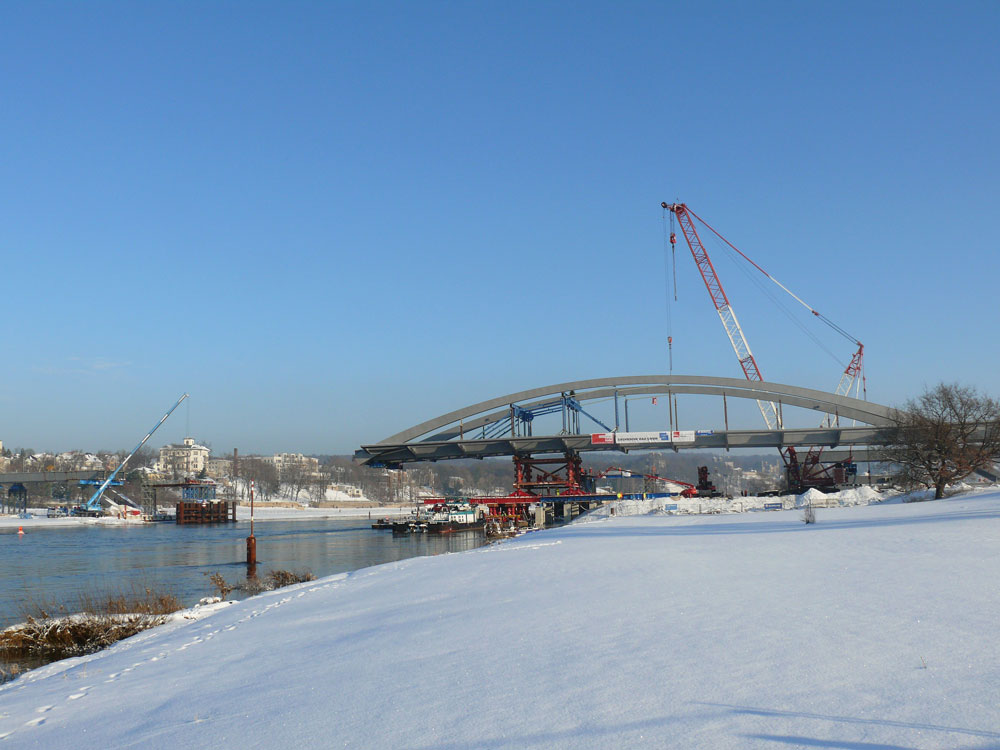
x=444, y=518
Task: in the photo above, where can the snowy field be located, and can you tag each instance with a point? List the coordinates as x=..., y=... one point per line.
x=874, y=629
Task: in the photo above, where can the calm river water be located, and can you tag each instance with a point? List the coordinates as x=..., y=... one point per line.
x=56, y=564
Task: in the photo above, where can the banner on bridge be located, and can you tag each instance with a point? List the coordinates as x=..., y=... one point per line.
x=641, y=438
x=635, y=438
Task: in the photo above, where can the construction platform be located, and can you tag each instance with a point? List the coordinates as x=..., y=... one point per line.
x=206, y=512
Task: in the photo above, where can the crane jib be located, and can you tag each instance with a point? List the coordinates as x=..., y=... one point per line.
x=95, y=499
x=770, y=411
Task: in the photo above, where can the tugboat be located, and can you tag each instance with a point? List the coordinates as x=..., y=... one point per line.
x=444, y=518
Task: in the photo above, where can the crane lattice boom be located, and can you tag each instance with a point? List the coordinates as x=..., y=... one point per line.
x=810, y=470
x=770, y=412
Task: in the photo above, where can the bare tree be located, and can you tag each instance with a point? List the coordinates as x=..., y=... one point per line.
x=944, y=435
x=317, y=488
x=295, y=477
x=263, y=474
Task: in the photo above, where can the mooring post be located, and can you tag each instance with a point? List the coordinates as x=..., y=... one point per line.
x=251, y=542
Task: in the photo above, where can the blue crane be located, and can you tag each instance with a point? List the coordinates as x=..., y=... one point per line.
x=94, y=504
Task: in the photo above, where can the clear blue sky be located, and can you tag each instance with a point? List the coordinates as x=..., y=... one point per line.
x=330, y=221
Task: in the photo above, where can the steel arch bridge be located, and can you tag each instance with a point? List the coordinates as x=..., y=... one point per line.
x=502, y=426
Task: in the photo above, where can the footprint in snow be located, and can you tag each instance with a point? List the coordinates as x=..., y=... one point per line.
x=43, y=709
x=35, y=722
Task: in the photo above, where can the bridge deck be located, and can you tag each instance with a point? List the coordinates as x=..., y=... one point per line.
x=13, y=477
x=383, y=454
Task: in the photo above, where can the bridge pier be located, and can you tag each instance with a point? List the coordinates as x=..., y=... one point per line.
x=550, y=476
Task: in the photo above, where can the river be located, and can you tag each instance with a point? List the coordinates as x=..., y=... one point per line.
x=55, y=565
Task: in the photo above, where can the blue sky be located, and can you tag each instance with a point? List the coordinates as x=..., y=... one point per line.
x=330, y=221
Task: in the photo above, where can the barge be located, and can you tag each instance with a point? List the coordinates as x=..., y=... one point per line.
x=444, y=518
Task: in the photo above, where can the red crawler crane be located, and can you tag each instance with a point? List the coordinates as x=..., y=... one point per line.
x=809, y=472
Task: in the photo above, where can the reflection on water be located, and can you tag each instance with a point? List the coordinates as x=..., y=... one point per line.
x=55, y=565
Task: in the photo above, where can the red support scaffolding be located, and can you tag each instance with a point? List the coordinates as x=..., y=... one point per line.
x=549, y=476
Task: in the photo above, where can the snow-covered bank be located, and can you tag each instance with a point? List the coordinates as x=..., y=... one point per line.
x=874, y=628
x=38, y=518
x=688, y=505
x=264, y=513
x=261, y=513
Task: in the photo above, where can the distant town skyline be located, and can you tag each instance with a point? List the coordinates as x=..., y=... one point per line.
x=328, y=222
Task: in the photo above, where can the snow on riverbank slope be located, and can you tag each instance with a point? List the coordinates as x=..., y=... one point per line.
x=874, y=628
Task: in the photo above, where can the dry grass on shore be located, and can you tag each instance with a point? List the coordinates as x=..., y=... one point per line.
x=51, y=632
x=273, y=579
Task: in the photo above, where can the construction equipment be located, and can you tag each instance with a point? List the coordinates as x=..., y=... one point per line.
x=93, y=505
x=801, y=474
x=704, y=488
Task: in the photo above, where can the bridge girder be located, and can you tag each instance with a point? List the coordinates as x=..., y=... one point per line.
x=400, y=453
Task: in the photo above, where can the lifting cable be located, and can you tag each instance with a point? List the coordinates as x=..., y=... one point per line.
x=794, y=296
x=782, y=307
x=666, y=285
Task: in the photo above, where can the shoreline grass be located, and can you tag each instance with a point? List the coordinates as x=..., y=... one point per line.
x=51, y=631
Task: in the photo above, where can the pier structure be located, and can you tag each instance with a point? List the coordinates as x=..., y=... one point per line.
x=198, y=502
x=15, y=500
x=15, y=485
x=206, y=512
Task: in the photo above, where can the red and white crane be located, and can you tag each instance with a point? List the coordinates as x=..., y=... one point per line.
x=851, y=379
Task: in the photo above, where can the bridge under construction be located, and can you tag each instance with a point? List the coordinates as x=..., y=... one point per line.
x=549, y=465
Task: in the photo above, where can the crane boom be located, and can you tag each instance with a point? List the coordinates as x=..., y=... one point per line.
x=800, y=473
x=768, y=409
x=95, y=500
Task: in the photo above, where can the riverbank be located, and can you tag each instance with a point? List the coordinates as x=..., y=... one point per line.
x=874, y=627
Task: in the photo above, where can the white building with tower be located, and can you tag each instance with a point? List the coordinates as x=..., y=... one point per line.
x=189, y=458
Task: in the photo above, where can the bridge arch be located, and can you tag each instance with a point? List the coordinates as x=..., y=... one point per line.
x=480, y=415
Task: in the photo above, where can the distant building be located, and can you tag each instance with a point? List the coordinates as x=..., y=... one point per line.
x=219, y=467
x=284, y=462
x=348, y=489
x=78, y=460
x=189, y=458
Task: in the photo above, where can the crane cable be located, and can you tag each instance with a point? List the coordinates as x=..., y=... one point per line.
x=788, y=291
x=782, y=307
x=666, y=284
